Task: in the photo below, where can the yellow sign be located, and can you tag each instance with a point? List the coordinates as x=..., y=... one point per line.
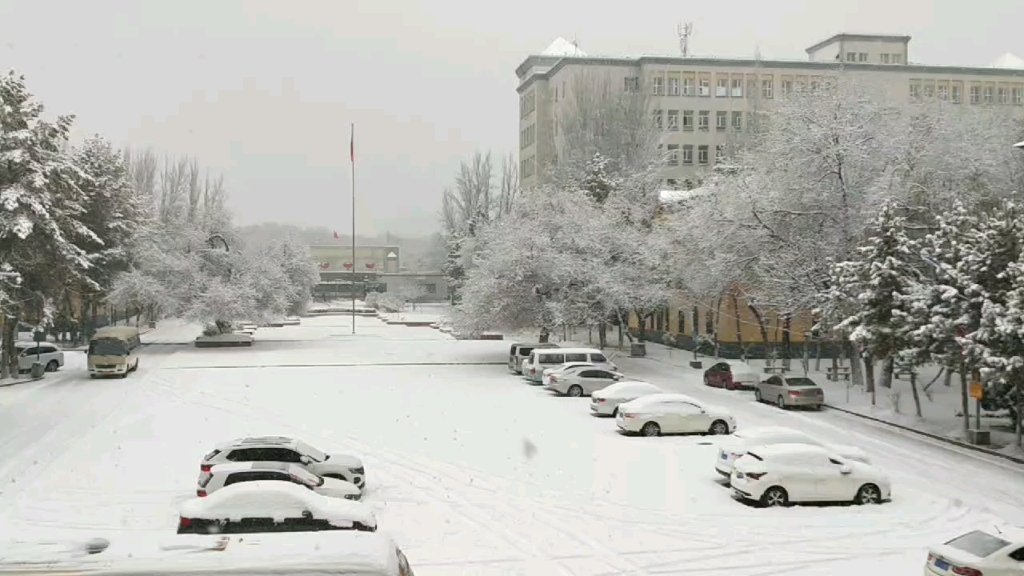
x=977, y=390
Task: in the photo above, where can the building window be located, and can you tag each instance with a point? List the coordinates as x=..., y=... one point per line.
x=787, y=87
x=722, y=88
x=897, y=58
x=988, y=94
x=1004, y=96
x=702, y=154
x=719, y=153
x=737, y=121
x=1018, y=96
x=632, y=84
x=659, y=119
x=957, y=96
x=704, y=120
x=915, y=90
x=704, y=88
x=430, y=288
x=943, y=92
x=767, y=87
x=680, y=321
x=687, y=154
x=673, y=120
x=851, y=56
x=687, y=86
x=658, y=85
x=975, y=94
x=688, y=120
x=815, y=85
x=862, y=57
x=929, y=90
x=673, y=154
x=673, y=86
x=885, y=58
x=737, y=87
x=721, y=121
x=751, y=88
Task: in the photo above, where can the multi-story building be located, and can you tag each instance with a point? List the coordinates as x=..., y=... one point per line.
x=705, y=104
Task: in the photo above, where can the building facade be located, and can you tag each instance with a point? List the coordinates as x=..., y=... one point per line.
x=706, y=104
x=333, y=258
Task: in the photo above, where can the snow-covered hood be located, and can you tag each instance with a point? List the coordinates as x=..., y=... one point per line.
x=718, y=412
x=343, y=461
x=338, y=489
x=851, y=453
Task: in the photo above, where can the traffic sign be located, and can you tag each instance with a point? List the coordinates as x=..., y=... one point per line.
x=977, y=390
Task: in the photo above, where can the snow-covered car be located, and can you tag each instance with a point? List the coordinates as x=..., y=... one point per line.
x=735, y=446
x=539, y=360
x=781, y=474
x=657, y=414
x=582, y=380
x=731, y=375
x=223, y=475
x=285, y=449
x=49, y=355
x=606, y=401
x=271, y=506
x=790, y=391
x=548, y=372
x=979, y=553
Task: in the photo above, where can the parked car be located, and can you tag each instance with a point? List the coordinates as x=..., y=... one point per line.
x=546, y=375
x=657, y=414
x=979, y=553
x=581, y=380
x=735, y=446
x=519, y=352
x=538, y=360
x=607, y=400
x=231, y=473
x=790, y=391
x=271, y=506
x=285, y=449
x=731, y=375
x=781, y=474
x=49, y=355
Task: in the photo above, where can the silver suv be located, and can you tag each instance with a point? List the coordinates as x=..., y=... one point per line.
x=289, y=450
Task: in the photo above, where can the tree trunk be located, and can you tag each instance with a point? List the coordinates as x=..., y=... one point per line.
x=716, y=319
x=853, y=353
x=739, y=324
x=869, y=374
x=602, y=334
x=544, y=334
x=761, y=326
x=948, y=381
x=620, y=336
x=965, y=396
x=10, y=336
x=641, y=322
x=913, y=391
x=787, y=340
x=817, y=354
x=3, y=345
x=887, y=368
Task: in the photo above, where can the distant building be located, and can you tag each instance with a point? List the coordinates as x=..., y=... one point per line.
x=706, y=103
x=376, y=269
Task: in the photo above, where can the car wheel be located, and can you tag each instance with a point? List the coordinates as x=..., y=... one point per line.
x=124, y=374
x=719, y=428
x=651, y=429
x=775, y=496
x=615, y=412
x=780, y=402
x=868, y=494
x=52, y=366
x=575, y=391
x=707, y=382
x=757, y=395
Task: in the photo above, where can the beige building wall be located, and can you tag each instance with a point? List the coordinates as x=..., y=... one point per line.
x=708, y=104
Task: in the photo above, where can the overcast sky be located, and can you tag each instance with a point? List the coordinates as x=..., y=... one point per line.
x=264, y=91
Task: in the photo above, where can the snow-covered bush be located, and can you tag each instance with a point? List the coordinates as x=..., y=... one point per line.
x=371, y=299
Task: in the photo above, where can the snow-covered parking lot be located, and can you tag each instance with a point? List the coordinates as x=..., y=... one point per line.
x=448, y=474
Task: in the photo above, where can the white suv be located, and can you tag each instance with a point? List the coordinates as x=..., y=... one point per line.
x=289, y=450
x=223, y=475
x=49, y=355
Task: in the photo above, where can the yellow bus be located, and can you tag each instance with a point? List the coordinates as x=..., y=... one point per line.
x=114, y=351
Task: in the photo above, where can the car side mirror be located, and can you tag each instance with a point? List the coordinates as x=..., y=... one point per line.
x=305, y=460
x=844, y=469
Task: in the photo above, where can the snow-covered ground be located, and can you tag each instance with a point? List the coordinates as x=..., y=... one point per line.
x=448, y=472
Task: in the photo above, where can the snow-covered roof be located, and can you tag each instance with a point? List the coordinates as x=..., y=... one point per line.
x=562, y=47
x=1008, y=60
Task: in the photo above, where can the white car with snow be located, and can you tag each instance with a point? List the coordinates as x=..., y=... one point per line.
x=735, y=446
x=606, y=401
x=285, y=449
x=657, y=414
x=49, y=355
x=979, y=553
x=271, y=506
x=582, y=380
x=548, y=372
x=781, y=474
x=223, y=475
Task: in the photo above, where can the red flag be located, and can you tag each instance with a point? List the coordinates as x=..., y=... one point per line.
x=371, y=266
x=352, y=145
x=336, y=237
x=348, y=266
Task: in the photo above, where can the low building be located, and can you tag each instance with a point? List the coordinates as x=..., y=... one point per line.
x=338, y=258
x=376, y=269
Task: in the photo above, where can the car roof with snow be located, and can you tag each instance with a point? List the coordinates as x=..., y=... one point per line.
x=739, y=364
x=220, y=502
x=254, y=441
x=777, y=450
x=667, y=397
x=623, y=384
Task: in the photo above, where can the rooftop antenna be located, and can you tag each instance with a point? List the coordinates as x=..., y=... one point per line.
x=684, y=31
x=575, y=44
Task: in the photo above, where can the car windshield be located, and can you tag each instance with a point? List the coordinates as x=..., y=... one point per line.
x=312, y=452
x=979, y=543
x=107, y=347
x=800, y=382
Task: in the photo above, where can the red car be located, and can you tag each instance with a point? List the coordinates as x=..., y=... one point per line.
x=731, y=375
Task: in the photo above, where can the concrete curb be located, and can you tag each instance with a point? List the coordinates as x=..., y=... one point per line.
x=930, y=435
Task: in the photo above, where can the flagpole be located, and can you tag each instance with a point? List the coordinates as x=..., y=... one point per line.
x=352, y=156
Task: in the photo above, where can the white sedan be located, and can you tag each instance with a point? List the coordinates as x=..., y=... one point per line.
x=737, y=445
x=977, y=553
x=224, y=475
x=271, y=506
x=657, y=414
x=582, y=380
x=606, y=401
x=781, y=474
x=545, y=376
